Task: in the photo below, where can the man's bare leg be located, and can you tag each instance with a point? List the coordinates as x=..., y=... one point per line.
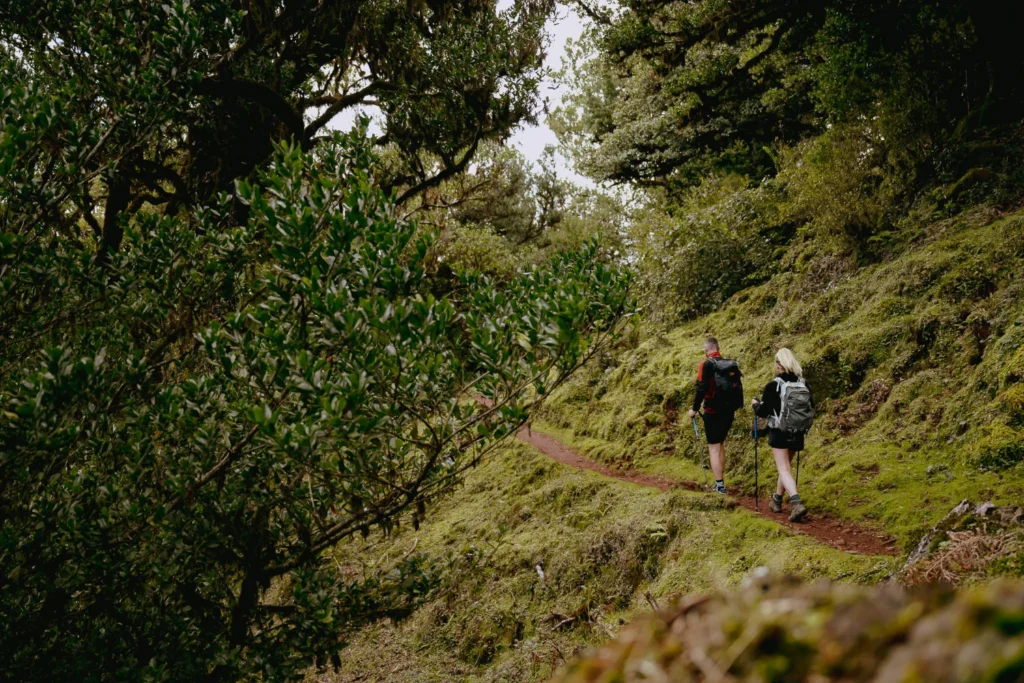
x=717, y=453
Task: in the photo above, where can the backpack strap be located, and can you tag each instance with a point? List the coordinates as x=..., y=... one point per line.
x=777, y=417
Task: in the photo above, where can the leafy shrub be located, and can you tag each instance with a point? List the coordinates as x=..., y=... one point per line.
x=718, y=240
x=187, y=425
x=460, y=248
x=834, y=184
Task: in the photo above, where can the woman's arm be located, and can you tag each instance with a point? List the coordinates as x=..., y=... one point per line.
x=769, y=401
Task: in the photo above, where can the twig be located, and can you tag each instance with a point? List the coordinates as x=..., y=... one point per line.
x=564, y=622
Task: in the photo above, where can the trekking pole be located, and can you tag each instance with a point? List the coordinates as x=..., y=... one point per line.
x=703, y=465
x=757, y=499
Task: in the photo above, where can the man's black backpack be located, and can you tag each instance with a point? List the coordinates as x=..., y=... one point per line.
x=728, y=384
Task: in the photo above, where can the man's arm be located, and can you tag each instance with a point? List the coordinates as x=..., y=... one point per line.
x=703, y=376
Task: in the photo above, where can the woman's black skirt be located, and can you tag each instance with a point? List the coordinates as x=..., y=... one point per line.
x=794, y=441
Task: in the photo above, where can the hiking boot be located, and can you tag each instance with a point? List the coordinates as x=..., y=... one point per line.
x=798, y=511
x=720, y=488
x=775, y=504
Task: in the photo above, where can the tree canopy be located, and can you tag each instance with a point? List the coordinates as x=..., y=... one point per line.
x=222, y=349
x=167, y=104
x=680, y=89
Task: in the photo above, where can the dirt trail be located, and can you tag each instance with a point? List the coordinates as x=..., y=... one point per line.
x=836, y=533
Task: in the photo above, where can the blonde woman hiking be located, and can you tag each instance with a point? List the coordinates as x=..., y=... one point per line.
x=786, y=402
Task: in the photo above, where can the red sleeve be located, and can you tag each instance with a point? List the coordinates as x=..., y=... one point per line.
x=702, y=386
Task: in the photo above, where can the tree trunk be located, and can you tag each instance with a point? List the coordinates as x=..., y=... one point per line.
x=118, y=197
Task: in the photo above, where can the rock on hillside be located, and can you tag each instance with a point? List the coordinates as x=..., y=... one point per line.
x=774, y=629
x=971, y=542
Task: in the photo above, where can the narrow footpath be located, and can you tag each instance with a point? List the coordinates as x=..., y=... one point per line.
x=838, y=534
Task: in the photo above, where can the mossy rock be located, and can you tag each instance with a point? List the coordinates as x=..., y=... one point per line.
x=780, y=630
x=970, y=179
x=1001, y=447
x=1011, y=402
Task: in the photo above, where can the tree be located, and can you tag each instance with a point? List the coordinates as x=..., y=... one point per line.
x=220, y=349
x=187, y=431
x=504, y=193
x=496, y=194
x=167, y=104
x=679, y=90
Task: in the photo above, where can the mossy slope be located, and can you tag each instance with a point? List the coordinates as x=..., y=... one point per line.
x=916, y=364
x=599, y=544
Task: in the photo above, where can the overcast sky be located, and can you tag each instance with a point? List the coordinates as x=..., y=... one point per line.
x=531, y=140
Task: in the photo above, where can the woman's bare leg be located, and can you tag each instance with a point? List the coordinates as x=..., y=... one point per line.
x=782, y=463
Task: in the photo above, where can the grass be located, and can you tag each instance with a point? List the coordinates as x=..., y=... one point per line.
x=600, y=545
x=915, y=364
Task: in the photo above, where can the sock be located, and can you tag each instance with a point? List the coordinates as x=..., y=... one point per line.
x=777, y=498
x=795, y=499
x=719, y=482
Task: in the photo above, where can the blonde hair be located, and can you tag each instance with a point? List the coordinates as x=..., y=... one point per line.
x=788, y=362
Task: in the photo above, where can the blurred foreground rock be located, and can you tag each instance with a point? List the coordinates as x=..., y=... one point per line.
x=779, y=630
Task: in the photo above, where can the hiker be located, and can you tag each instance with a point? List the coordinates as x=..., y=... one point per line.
x=720, y=390
x=786, y=402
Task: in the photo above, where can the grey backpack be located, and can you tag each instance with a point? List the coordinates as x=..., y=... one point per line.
x=797, y=411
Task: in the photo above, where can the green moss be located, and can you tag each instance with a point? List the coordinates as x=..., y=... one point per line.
x=973, y=279
x=1013, y=370
x=915, y=363
x=1000, y=448
x=600, y=544
x=1012, y=402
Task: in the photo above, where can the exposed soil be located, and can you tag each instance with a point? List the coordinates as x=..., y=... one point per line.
x=836, y=533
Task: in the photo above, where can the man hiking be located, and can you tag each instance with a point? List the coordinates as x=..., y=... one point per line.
x=720, y=391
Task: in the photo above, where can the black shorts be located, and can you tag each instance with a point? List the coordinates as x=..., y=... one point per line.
x=794, y=441
x=716, y=426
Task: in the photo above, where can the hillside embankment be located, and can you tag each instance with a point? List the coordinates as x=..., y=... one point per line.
x=916, y=363
x=540, y=561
